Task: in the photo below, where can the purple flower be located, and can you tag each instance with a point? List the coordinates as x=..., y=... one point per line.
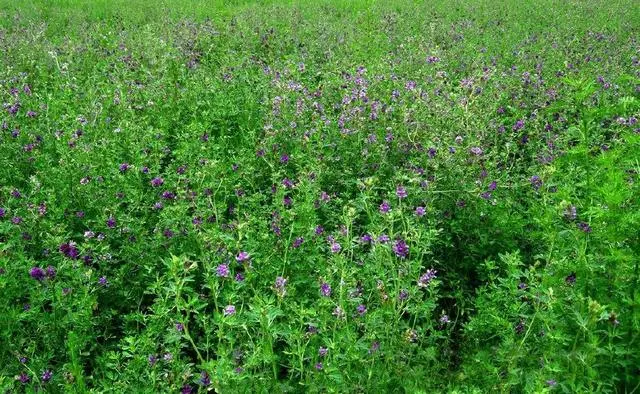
x=493, y=185
x=124, y=167
x=180, y=327
x=51, y=272
x=279, y=286
x=111, y=222
x=383, y=238
x=322, y=351
x=551, y=382
x=186, y=389
x=520, y=327
x=476, y=151
x=284, y=159
x=155, y=182
x=325, y=290
x=242, y=257
x=361, y=309
x=297, y=242
x=403, y=295
x=286, y=182
x=16, y=220
x=444, y=319
x=287, y=201
x=70, y=250
x=3, y=212
x=338, y=312
x=167, y=195
x=385, y=207
x=518, y=125
x=427, y=277
x=239, y=277
x=152, y=359
x=536, y=182
x=319, y=230
x=103, y=281
x=375, y=346
x=24, y=378
x=223, y=271
x=401, y=249
x=367, y=239
x=204, y=378
x=335, y=247
x=229, y=310
x=46, y=376
x=420, y=211
x=571, y=279
x=401, y=192
x=584, y=227
x=37, y=273
x=318, y=366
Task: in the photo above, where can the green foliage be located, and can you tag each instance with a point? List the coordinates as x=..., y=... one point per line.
x=346, y=196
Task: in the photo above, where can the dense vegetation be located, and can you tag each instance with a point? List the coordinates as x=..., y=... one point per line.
x=319, y=197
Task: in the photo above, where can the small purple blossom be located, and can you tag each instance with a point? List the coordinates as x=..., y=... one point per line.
x=401, y=249
x=297, y=242
x=518, y=125
x=385, y=207
x=242, y=257
x=420, y=211
x=222, y=271
x=427, y=277
x=401, y=192
x=335, y=247
x=24, y=378
x=584, y=227
x=155, y=182
x=229, y=310
x=111, y=222
x=536, y=182
x=204, y=378
x=46, y=376
x=571, y=279
x=37, y=273
x=361, y=309
x=325, y=290
x=280, y=286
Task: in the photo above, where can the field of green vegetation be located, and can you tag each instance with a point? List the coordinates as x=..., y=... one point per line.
x=319, y=196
